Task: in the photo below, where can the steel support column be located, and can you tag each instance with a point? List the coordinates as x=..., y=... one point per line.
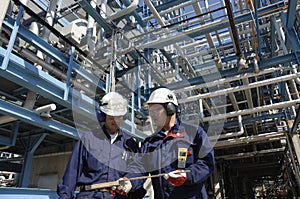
x=31, y=147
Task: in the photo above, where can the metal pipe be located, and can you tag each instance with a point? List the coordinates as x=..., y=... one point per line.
x=91, y=21
x=240, y=88
x=233, y=29
x=49, y=19
x=265, y=137
x=254, y=39
x=125, y=11
x=253, y=110
x=177, y=37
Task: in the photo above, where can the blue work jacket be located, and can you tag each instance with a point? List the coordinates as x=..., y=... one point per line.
x=159, y=154
x=95, y=160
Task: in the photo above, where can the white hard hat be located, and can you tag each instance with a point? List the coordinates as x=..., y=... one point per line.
x=162, y=96
x=113, y=104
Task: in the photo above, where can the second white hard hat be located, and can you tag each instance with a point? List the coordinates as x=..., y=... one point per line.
x=113, y=104
x=162, y=96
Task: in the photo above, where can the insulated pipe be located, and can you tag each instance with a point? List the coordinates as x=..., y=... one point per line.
x=226, y=80
x=91, y=21
x=252, y=111
x=265, y=137
x=125, y=11
x=49, y=19
x=182, y=5
x=240, y=88
x=223, y=35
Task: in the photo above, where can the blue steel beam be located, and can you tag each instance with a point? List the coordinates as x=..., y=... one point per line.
x=55, y=54
x=272, y=37
x=291, y=14
x=30, y=149
x=292, y=40
x=13, y=136
x=28, y=76
x=13, y=37
x=34, y=119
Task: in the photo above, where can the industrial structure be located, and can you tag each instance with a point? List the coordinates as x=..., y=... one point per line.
x=233, y=64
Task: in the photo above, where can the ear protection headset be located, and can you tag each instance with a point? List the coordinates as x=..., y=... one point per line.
x=170, y=107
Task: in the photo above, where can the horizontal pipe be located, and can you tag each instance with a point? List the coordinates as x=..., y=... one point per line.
x=265, y=137
x=240, y=88
x=226, y=80
x=252, y=110
x=125, y=11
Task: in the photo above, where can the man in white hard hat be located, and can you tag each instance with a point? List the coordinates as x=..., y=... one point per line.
x=102, y=156
x=180, y=150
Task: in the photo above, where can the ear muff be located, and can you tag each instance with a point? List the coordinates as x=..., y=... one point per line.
x=170, y=108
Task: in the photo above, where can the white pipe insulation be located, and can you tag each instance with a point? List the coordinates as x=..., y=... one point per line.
x=125, y=11
x=240, y=88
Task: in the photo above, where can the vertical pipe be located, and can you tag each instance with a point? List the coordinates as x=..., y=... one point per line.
x=139, y=84
x=201, y=114
x=107, y=83
x=132, y=105
x=91, y=21
x=70, y=65
x=132, y=114
x=233, y=29
x=256, y=2
x=49, y=19
x=254, y=37
x=112, y=67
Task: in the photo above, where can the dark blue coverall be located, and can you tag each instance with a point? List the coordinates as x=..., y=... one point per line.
x=94, y=160
x=159, y=155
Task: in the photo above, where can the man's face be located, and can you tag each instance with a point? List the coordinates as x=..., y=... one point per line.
x=158, y=114
x=113, y=123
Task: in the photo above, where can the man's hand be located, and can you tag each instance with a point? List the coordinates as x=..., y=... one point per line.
x=124, y=187
x=176, y=178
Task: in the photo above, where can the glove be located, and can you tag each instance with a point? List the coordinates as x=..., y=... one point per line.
x=124, y=187
x=175, y=177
